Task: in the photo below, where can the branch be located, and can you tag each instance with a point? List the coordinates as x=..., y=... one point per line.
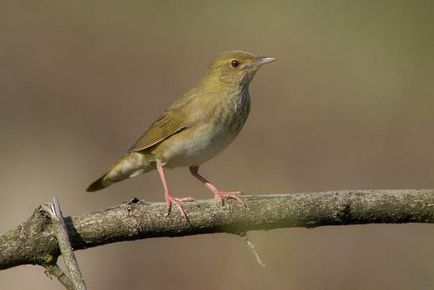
x=61, y=231
x=55, y=271
x=34, y=242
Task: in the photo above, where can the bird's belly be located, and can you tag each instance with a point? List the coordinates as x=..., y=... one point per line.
x=192, y=148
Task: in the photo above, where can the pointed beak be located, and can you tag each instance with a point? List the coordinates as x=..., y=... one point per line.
x=264, y=59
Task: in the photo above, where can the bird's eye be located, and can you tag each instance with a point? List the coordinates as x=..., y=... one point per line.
x=235, y=63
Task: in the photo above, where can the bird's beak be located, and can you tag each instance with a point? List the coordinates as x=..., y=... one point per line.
x=264, y=59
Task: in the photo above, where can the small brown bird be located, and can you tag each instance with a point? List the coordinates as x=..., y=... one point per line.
x=196, y=127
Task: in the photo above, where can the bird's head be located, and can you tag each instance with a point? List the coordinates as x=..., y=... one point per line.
x=235, y=68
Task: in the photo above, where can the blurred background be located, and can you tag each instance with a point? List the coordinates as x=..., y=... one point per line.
x=348, y=105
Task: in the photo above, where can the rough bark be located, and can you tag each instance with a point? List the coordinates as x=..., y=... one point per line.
x=34, y=241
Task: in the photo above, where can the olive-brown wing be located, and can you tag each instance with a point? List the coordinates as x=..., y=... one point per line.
x=170, y=123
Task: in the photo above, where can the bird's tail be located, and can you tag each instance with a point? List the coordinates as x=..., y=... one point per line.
x=98, y=184
x=131, y=165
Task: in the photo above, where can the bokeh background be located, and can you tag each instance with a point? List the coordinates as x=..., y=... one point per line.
x=348, y=105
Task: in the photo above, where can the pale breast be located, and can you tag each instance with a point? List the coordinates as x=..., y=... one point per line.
x=198, y=144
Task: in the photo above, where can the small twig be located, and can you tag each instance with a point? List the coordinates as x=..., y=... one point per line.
x=65, y=247
x=55, y=271
x=252, y=247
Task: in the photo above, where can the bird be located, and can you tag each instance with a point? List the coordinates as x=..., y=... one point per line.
x=195, y=128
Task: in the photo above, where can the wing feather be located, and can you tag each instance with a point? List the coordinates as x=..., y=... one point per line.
x=170, y=123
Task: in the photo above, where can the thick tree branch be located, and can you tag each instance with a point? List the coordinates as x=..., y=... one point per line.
x=34, y=241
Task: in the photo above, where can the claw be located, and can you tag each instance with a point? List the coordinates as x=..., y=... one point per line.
x=218, y=194
x=222, y=195
x=178, y=203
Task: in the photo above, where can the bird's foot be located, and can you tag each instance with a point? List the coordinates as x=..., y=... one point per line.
x=224, y=195
x=178, y=203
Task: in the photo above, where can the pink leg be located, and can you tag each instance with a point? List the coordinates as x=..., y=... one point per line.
x=218, y=194
x=169, y=198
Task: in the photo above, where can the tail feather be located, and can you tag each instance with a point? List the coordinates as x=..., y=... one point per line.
x=131, y=165
x=98, y=184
